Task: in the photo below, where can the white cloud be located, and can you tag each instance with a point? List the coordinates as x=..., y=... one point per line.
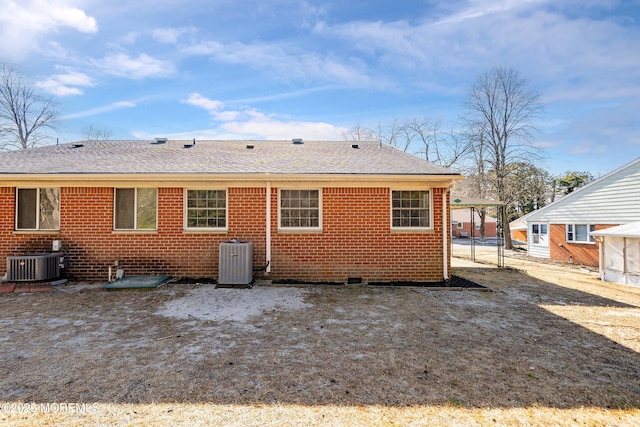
x=213, y=107
x=286, y=61
x=226, y=116
x=25, y=23
x=100, y=110
x=131, y=37
x=551, y=47
x=169, y=35
x=253, y=124
x=143, y=66
x=482, y=8
x=198, y=100
x=263, y=126
x=66, y=84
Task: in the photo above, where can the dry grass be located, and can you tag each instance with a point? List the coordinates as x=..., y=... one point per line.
x=549, y=346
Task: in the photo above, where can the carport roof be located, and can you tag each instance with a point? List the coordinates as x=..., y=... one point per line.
x=627, y=230
x=458, y=202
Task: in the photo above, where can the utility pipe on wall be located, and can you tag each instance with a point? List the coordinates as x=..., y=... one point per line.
x=268, y=231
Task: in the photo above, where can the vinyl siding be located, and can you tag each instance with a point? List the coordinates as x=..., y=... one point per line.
x=612, y=199
x=539, y=251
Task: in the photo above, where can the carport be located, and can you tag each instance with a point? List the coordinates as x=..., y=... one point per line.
x=620, y=253
x=476, y=203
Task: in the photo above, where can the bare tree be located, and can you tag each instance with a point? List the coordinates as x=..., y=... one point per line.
x=502, y=109
x=91, y=133
x=24, y=114
x=477, y=178
x=422, y=137
x=359, y=133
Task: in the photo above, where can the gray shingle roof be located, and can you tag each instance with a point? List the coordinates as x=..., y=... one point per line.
x=217, y=157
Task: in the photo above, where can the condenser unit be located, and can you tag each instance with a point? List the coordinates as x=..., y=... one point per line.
x=235, y=263
x=33, y=268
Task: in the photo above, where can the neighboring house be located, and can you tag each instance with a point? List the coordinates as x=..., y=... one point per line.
x=461, y=224
x=314, y=211
x=620, y=254
x=518, y=229
x=561, y=230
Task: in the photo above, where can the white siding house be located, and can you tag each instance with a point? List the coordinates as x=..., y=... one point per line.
x=561, y=229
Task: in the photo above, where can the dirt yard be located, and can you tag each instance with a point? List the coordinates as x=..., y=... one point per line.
x=550, y=345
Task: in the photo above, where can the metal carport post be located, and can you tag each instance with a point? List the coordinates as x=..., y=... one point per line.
x=473, y=203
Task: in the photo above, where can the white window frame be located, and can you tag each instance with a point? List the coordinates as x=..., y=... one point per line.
x=299, y=229
x=38, y=208
x=411, y=228
x=460, y=225
x=135, y=210
x=226, y=210
x=540, y=242
x=570, y=234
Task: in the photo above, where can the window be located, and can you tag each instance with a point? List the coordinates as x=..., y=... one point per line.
x=136, y=208
x=410, y=209
x=38, y=209
x=206, y=209
x=539, y=234
x=579, y=233
x=300, y=209
x=460, y=226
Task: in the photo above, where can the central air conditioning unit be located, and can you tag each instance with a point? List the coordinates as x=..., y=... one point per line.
x=33, y=268
x=236, y=263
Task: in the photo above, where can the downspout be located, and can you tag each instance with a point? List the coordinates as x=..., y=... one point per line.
x=445, y=231
x=268, y=230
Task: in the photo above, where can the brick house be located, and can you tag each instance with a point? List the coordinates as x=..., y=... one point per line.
x=314, y=211
x=562, y=229
x=462, y=226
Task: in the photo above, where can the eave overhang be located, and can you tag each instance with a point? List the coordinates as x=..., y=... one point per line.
x=240, y=179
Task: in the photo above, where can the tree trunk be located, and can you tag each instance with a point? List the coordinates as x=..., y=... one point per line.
x=482, y=213
x=506, y=230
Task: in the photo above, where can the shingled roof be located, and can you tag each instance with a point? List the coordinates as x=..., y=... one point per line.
x=217, y=157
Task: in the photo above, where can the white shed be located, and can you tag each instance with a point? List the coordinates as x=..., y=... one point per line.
x=620, y=253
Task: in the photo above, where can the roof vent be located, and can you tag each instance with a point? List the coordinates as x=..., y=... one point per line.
x=355, y=146
x=193, y=144
x=160, y=141
x=297, y=141
x=78, y=145
x=250, y=146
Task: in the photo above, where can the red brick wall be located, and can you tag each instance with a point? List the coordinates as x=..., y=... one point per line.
x=489, y=229
x=355, y=241
x=576, y=253
x=520, y=235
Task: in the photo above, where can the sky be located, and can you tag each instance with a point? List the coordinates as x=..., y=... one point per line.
x=282, y=69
